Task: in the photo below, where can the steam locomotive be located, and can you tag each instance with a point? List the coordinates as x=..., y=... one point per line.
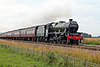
x=54, y=32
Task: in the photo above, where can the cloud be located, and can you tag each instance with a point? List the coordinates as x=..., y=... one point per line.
x=13, y=10
x=10, y=13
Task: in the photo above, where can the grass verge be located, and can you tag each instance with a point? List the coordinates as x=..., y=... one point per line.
x=11, y=56
x=11, y=59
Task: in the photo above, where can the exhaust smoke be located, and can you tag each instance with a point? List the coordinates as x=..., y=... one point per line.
x=50, y=11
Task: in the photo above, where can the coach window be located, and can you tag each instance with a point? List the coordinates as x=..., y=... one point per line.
x=33, y=30
x=30, y=31
x=24, y=31
x=27, y=31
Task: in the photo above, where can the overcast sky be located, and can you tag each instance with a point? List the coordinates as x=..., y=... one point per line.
x=15, y=13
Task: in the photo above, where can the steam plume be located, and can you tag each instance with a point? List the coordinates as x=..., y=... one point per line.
x=50, y=11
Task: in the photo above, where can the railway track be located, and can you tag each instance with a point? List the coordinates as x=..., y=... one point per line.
x=81, y=46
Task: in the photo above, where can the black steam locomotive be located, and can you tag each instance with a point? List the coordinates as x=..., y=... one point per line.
x=55, y=32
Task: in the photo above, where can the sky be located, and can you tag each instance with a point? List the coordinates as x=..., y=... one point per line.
x=16, y=14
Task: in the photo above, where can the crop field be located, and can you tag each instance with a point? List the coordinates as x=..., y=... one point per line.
x=91, y=41
x=82, y=54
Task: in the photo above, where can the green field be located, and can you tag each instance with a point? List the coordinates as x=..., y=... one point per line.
x=11, y=59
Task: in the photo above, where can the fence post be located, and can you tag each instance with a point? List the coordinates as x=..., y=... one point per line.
x=42, y=54
x=46, y=56
x=4, y=46
x=27, y=51
x=7, y=46
x=66, y=65
x=14, y=48
x=37, y=52
x=22, y=49
x=86, y=64
x=74, y=62
x=17, y=49
x=33, y=52
x=10, y=47
x=66, y=57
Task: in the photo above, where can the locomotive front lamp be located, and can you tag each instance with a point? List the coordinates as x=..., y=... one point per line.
x=70, y=37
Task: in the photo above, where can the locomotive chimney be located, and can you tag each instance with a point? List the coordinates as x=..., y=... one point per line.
x=70, y=20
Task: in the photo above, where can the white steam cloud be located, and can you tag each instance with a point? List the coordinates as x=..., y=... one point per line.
x=51, y=10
